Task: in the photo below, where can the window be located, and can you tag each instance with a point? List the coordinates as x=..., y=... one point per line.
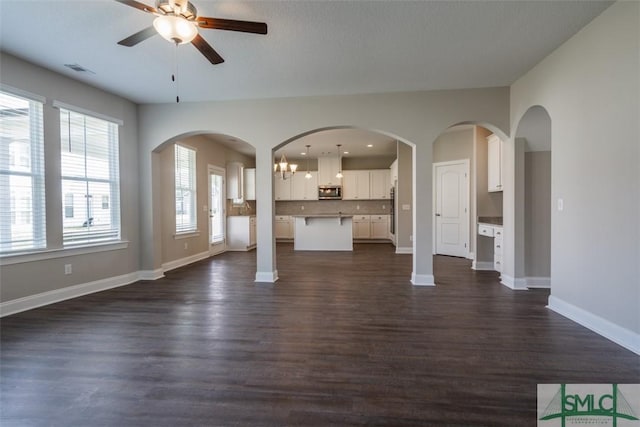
x=22, y=210
x=186, y=219
x=89, y=168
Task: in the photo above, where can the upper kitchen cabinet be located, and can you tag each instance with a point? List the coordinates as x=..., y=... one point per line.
x=356, y=185
x=328, y=168
x=303, y=188
x=494, y=163
x=282, y=188
x=249, y=183
x=380, y=184
x=235, y=181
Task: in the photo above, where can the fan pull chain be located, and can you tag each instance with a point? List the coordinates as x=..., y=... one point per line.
x=174, y=76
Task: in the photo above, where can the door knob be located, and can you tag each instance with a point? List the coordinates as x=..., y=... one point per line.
x=437, y=214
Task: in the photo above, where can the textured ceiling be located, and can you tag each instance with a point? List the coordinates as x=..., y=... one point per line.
x=313, y=47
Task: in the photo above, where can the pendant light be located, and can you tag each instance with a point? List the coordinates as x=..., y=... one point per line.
x=308, y=174
x=339, y=174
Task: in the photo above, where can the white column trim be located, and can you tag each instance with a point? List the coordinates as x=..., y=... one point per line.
x=267, y=276
x=422, y=279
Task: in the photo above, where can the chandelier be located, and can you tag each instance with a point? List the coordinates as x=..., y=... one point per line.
x=282, y=167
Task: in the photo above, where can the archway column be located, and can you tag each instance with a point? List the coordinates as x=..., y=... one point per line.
x=265, y=206
x=422, y=274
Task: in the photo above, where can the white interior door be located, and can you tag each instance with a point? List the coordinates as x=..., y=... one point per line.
x=217, y=211
x=451, y=208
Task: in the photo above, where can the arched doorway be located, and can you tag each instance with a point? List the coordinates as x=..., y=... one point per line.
x=376, y=180
x=461, y=181
x=533, y=174
x=193, y=204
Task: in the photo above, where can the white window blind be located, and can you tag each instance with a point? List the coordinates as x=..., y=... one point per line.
x=90, y=176
x=22, y=198
x=185, y=169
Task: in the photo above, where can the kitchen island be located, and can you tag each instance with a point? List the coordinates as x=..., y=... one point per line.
x=323, y=233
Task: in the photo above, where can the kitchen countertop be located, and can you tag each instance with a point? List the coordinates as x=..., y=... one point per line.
x=492, y=220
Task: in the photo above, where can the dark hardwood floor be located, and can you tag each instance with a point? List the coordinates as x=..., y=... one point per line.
x=341, y=339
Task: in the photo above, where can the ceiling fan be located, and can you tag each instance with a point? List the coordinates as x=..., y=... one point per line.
x=177, y=21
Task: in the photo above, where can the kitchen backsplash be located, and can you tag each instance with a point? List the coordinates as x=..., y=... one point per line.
x=348, y=207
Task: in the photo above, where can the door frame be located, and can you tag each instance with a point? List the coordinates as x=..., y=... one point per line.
x=217, y=170
x=467, y=212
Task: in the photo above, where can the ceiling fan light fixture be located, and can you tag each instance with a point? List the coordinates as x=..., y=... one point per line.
x=175, y=29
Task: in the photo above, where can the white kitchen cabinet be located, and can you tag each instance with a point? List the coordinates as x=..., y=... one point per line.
x=356, y=185
x=379, y=226
x=303, y=188
x=494, y=163
x=495, y=231
x=241, y=233
x=361, y=227
x=250, y=183
x=282, y=188
x=235, y=181
x=328, y=168
x=393, y=173
x=284, y=227
x=380, y=184
x=497, y=248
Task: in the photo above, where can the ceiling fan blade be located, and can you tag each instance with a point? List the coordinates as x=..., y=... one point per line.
x=232, y=25
x=138, y=37
x=206, y=49
x=141, y=6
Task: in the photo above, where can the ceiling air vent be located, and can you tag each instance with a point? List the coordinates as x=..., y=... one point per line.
x=79, y=68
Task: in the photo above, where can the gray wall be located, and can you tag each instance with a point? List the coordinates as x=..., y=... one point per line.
x=594, y=108
x=29, y=278
x=537, y=214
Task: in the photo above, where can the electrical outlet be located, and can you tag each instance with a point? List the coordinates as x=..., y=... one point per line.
x=302, y=207
x=411, y=237
x=384, y=206
x=406, y=207
x=560, y=205
x=358, y=207
x=68, y=269
x=186, y=246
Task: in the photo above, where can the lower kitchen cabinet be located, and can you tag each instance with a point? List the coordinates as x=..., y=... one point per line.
x=379, y=226
x=241, y=233
x=284, y=227
x=361, y=226
x=371, y=226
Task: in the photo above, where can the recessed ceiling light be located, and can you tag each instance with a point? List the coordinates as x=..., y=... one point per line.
x=369, y=145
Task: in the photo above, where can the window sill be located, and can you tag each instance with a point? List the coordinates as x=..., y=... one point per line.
x=186, y=235
x=19, y=258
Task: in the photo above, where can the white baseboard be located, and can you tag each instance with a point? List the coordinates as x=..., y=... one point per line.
x=267, y=276
x=57, y=295
x=619, y=335
x=517, y=284
x=482, y=265
x=404, y=249
x=151, y=274
x=422, y=279
x=171, y=265
x=538, y=282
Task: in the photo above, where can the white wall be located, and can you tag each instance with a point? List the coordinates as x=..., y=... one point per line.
x=590, y=88
x=36, y=277
x=417, y=118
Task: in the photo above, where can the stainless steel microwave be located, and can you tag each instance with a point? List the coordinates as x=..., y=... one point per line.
x=329, y=192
